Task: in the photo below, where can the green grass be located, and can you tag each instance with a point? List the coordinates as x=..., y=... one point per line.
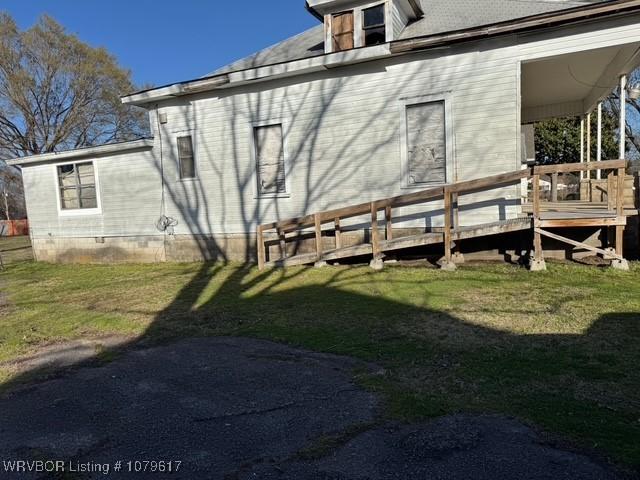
x=558, y=349
x=15, y=249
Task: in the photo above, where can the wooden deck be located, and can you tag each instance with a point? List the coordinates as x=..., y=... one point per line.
x=537, y=217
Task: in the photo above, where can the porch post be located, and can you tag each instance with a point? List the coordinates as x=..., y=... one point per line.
x=623, y=116
x=588, y=173
x=581, y=145
x=599, y=172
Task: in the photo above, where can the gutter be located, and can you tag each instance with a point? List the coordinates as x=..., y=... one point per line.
x=145, y=143
x=545, y=20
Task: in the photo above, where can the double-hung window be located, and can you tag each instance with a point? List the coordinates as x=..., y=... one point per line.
x=77, y=186
x=374, y=25
x=186, y=159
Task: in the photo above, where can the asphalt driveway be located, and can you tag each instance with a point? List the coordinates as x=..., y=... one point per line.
x=232, y=408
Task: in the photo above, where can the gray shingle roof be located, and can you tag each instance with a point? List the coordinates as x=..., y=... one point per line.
x=440, y=16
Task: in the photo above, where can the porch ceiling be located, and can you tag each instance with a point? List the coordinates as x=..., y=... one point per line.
x=572, y=84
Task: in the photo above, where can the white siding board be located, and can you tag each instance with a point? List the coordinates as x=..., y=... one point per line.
x=342, y=129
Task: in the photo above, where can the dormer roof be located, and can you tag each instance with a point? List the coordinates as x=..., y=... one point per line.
x=323, y=7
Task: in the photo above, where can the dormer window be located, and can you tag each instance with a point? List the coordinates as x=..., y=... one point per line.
x=373, y=24
x=342, y=31
x=363, y=23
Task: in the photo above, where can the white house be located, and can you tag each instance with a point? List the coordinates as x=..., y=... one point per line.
x=381, y=98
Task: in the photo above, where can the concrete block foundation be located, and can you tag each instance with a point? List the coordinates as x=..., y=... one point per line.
x=512, y=247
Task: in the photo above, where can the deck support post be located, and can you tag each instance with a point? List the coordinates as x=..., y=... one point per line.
x=554, y=187
x=282, y=238
x=261, y=248
x=318, y=229
x=620, y=264
x=458, y=257
x=447, y=262
x=388, y=223
x=376, y=262
x=537, y=262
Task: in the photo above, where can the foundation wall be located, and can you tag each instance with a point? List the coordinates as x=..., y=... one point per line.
x=242, y=248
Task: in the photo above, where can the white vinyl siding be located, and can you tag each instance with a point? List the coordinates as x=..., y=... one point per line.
x=269, y=147
x=426, y=143
x=343, y=142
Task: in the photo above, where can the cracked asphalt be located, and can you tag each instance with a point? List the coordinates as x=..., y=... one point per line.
x=232, y=408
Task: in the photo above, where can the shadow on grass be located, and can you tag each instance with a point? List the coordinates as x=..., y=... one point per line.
x=581, y=385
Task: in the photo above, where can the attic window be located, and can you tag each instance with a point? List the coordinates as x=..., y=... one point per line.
x=342, y=31
x=373, y=24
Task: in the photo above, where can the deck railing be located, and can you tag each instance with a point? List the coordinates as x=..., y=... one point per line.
x=449, y=194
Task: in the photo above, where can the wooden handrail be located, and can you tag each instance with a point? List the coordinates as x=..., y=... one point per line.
x=579, y=167
x=449, y=193
x=489, y=182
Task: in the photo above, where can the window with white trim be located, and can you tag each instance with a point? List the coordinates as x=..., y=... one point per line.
x=374, y=25
x=186, y=160
x=269, y=151
x=426, y=143
x=77, y=186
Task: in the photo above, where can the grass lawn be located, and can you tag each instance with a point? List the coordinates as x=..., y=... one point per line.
x=15, y=249
x=559, y=349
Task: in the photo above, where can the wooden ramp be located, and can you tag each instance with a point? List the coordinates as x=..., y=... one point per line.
x=382, y=240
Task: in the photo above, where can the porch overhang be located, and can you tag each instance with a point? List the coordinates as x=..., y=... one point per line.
x=573, y=84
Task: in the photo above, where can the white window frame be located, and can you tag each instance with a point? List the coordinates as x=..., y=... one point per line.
x=194, y=147
x=445, y=97
x=358, y=32
x=386, y=9
x=285, y=149
x=78, y=212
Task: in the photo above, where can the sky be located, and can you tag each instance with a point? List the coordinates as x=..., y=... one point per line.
x=166, y=41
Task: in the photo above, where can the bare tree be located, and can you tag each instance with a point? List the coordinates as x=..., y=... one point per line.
x=12, y=205
x=57, y=93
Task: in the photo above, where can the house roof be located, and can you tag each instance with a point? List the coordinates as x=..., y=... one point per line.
x=107, y=149
x=440, y=16
x=445, y=22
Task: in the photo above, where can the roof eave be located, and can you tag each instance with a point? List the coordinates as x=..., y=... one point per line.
x=314, y=12
x=259, y=74
x=533, y=22
x=397, y=47
x=100, y=150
